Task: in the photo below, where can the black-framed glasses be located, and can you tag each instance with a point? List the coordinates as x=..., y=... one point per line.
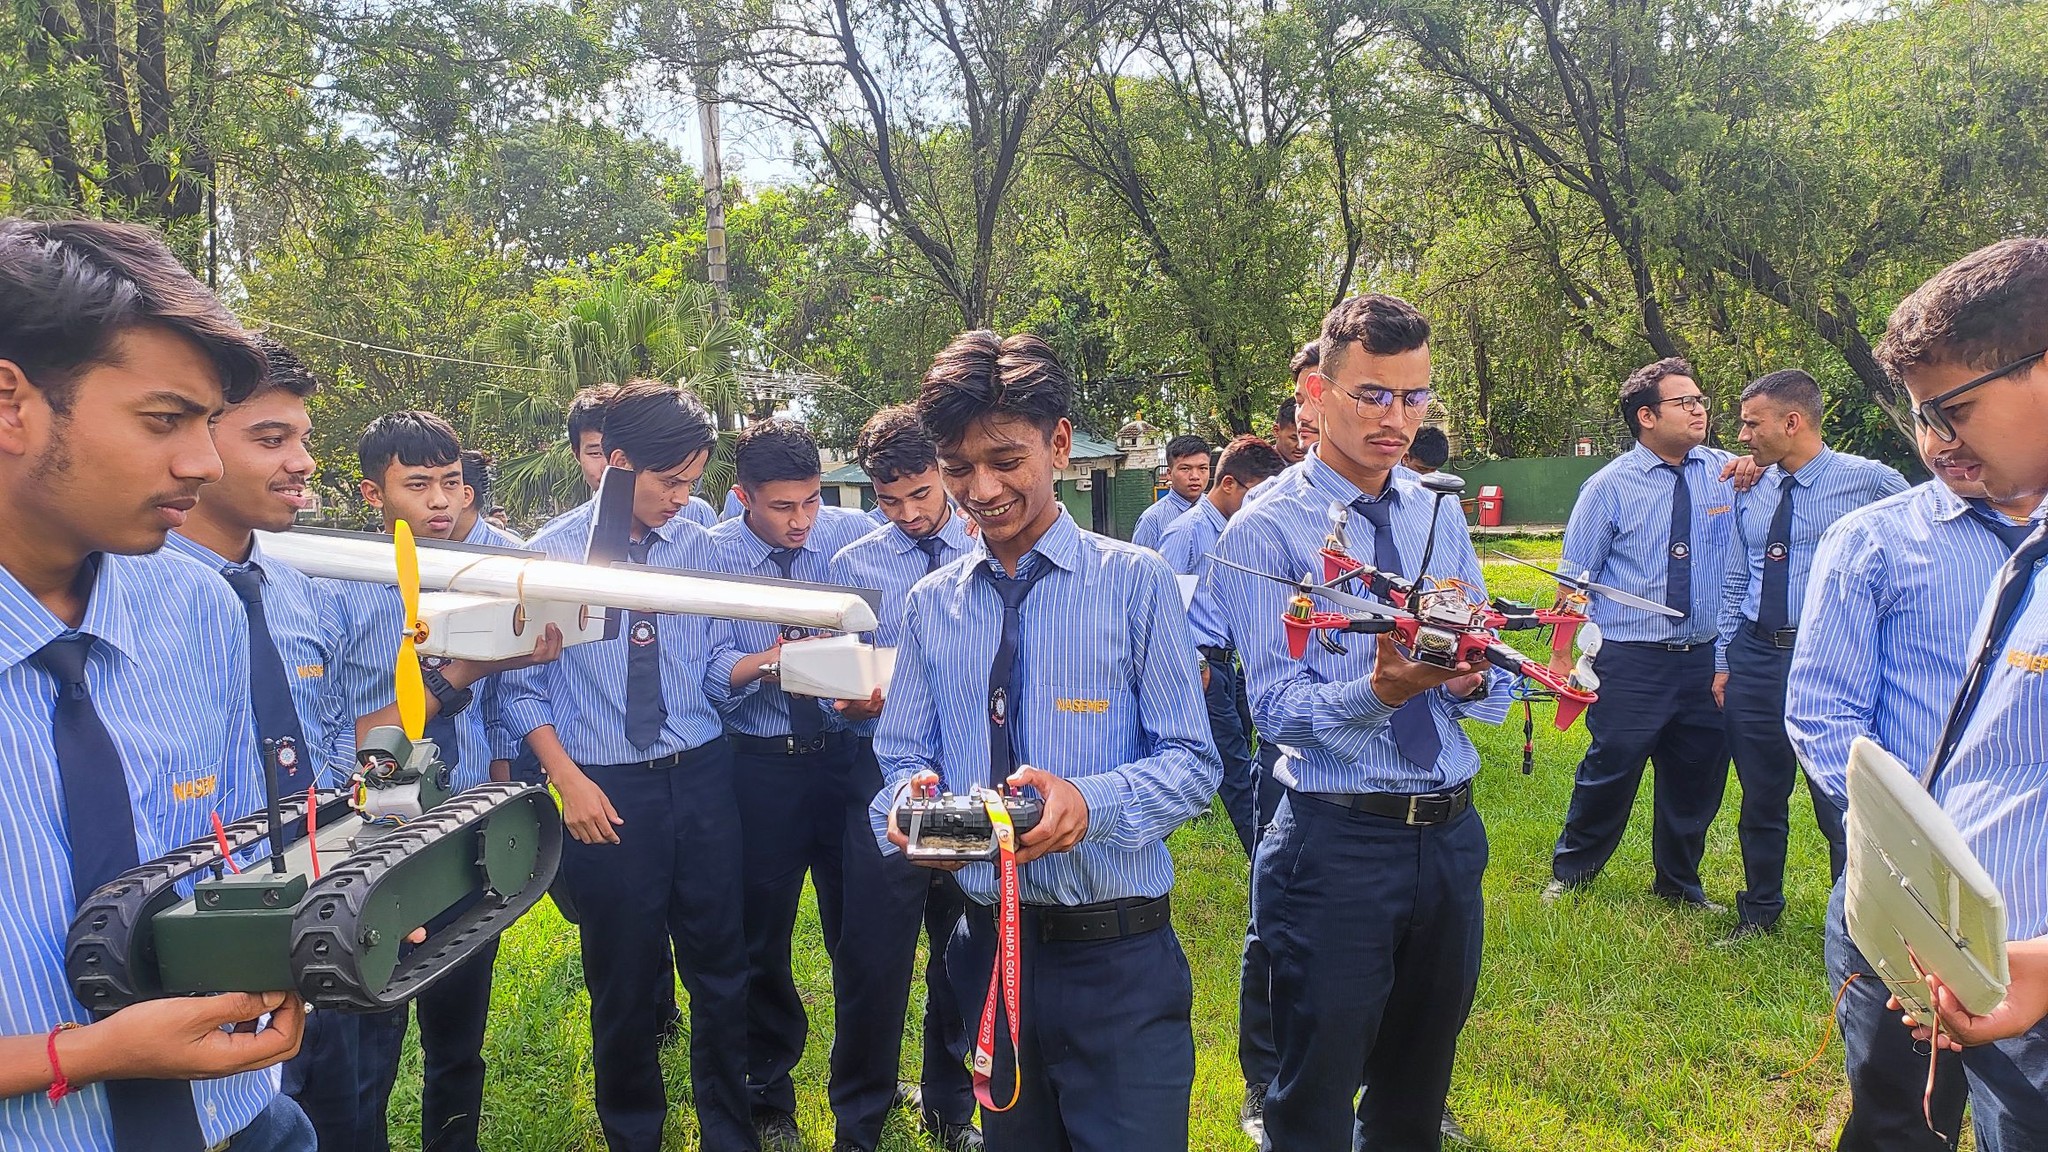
x=1932, y=414
x=1373, y=403
x=1694, y=404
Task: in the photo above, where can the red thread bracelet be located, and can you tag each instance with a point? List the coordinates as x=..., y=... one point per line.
x=59, y=1086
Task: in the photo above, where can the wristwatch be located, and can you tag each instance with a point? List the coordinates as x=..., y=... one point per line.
x=453, y=700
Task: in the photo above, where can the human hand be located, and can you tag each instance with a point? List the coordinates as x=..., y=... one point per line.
x=1064, y=820
x=1396, y=679
x=185, y=1038
x=1720, y=689
x=463, y=673
x=1742, y=473
x=586, y=811
x=858, y=710
x=900, y=839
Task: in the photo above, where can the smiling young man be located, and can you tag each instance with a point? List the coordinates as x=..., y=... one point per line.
x=886, y=897
x=1187, y=477
x=1656, y=521
x=1778, y=523
x=629, y=733
x=1366, y=889
x=1055, y=659
x=1969, y=346
x=792, y=751
x=124, y=689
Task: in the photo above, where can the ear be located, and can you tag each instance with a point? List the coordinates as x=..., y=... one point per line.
x=618, y=460
x=372, y=495
x=17, y=397
x=1062, y=443
x=468, y=496
x=741, y=493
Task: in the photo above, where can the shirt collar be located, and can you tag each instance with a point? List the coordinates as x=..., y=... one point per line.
x=1648, y=461
x=111, y=613
x=1211, y=513
x=953, y=532
x=1330, y=482
x=1947, y=505
x=1812, y=472
x=758, y=550
x=183, y=546
x=1061, y=544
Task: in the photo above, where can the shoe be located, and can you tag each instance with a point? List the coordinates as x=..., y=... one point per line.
x=778, y=1131
x=1251, y=1118
x=1747, y=930
x=909, y=1096
x=1553, y=890
x=1449, y=1129
x=956, y=1137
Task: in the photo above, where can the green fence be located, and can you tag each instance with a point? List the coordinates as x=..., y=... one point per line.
x=1538, y=491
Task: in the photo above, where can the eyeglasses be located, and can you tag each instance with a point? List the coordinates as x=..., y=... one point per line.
x=1933, y=415
x=1693, y=404
x=1373, y=403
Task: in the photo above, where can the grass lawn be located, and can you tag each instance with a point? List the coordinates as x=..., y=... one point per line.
x=1609, y=1021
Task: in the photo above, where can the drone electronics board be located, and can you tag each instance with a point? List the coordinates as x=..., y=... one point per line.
x=1915, y=898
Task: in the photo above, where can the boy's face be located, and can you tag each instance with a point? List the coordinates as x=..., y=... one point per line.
x=1373, y=443
x=781, y=512
x=265, y=462
x=590, y=458
x=916, y=504
x=1189, y=475
x=658, y=496
x=2001, y=428
x=1768, y=428
x=126, y=464
x=425, y=496
x=1287, y=441
x=1001, y=475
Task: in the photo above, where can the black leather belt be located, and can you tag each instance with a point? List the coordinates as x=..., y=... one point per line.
x=776, y=745
x=1216, y=655
x=1417, y=809
x=674, y=760
x=1109, y=920
x=1662, y=645
x=1782, y=638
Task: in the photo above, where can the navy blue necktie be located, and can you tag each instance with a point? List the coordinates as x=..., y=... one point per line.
x=2016, y=578
x=1414, y=724
x=270, y=692
x=2012, y=534
x=646, y=711
x=933, y=549
x=1678, y=559
x=1773, y=612
x=148, y=1115
x=1005, y=679
x=805, y=724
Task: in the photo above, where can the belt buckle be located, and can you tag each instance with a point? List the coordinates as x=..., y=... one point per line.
x=1413, y=803
x=789, y=744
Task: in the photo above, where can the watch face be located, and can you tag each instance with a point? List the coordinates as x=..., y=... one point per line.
x=433, y=663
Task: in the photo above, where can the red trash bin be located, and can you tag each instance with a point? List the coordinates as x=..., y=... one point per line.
x=1490, y=501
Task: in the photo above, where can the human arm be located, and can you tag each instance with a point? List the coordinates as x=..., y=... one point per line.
x=907, y=738
x=176, y=1038
x=1831, y=689
x=1734, y=589
x=2025, y=1003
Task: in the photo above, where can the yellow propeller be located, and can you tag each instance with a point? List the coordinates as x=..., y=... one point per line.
x=411, y=689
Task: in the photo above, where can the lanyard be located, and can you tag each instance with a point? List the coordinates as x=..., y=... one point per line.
x=1005, y=980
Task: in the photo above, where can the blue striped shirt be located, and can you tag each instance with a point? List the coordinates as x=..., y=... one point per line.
x=170, y=679
x=1152, y=521
x=733, y=508
x=583, y=693
x=504, y=745
x=889, y=561
x=1895, y=586
x=1334, y=734
x=1187, y=545
x=1111, y=699
x=1620, y=533
x=487, y=533
x=700, y=512
x=1831, y=485
x=748, y=710
x=1995, y=786
x=363, y=621
x=291, y=608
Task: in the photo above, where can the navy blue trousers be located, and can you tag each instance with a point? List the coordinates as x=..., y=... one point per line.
x=793, y=821
x=1655, y=706
x=2009, y=1092
x=452, y=1015
x=281, y=1127
x=1230, y=725
x=675, y=872
x=1768, y=769
x=1107, y=1044
x=887, y=899
x=1887, y=1078
x=326, y=1081
x=1256, y=1056
x=1374, y=929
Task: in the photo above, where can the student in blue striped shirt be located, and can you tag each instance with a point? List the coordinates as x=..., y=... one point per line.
x=1187, y=477
x=1366, y=890
x=1969, y=346
x=886, y=897
x=628, y=731
x=1778, y=523
x=793, y=752
x=1894, y=588
x=124, y=689
x=1088, y=692
x=1657, y=521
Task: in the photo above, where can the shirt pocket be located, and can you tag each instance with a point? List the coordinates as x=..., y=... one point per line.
x=1080, y=726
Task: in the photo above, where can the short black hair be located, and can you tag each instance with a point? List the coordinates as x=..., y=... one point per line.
x=1309, y=355
x=981, y=374
x=1790, y=387
x=1286, y=417
x=414, y=439
x=70, y=288
x=586, y=412
x=658, y=426
x=476, y=472
x=1984, y=311
x=1644, y=387
x=1383, y=325
x=776, y=449
x=1431, y=448
x=1181, y=447
x=1249, y=460
x=283, y=370
x=893, y=444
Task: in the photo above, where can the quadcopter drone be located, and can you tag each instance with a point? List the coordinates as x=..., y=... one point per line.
x=1438, y=622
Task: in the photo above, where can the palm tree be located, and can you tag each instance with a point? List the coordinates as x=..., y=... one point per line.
x=619, y=332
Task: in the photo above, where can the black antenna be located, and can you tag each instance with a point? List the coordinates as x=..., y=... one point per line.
x=274, y=809
x=1444, y=485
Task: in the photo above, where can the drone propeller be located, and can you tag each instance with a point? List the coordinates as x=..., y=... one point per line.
x=1341, y=599
x=1584, y=585
x=411, y=689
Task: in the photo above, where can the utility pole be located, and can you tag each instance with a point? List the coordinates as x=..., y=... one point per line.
x=714, y=191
